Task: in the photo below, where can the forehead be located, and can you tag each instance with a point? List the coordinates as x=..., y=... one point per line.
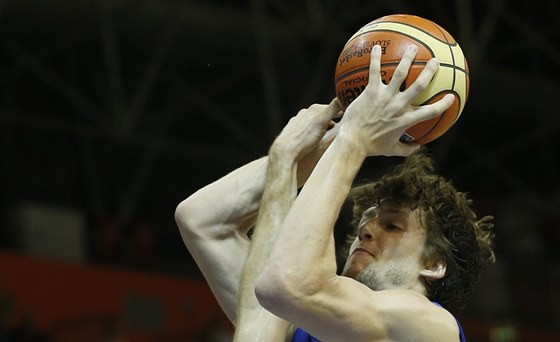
x=387, y=206
x=394, y=210
x=392, y=206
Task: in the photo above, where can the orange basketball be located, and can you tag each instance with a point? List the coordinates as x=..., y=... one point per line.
x=394, y=33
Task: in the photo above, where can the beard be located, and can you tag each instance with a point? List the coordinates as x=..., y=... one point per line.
x=384, y=277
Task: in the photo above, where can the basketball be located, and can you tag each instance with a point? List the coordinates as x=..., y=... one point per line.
x=394, y=33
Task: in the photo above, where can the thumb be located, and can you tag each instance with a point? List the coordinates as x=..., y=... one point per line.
x=334, y=109
x=406, y=149
x=330, y=134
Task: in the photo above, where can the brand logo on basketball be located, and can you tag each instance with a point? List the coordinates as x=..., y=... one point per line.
x=394, y=33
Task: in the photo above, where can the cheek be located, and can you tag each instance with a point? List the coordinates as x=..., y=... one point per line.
x=413, y=249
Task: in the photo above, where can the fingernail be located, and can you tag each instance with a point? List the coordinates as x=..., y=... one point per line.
x=413, y=48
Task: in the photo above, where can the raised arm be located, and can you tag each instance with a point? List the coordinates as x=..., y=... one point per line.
x=300, y=283
x=299, y=143
x=213, y=223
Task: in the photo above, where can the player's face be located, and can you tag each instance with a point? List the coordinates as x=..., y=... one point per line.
x=387, y=252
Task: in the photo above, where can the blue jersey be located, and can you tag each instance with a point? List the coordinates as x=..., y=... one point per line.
x=301, y=335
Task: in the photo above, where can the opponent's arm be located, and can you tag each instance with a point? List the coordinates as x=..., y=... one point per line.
x=254, y=323
x=213, y=223
x=300, y=284
x=304, y=136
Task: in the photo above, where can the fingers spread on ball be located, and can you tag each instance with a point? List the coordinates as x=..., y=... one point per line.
x=375, y=65
x=401, y=72
x=423, y=79
x=430, y=111
x=444, y=104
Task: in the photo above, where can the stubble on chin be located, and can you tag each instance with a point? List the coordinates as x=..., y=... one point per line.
x=375, y=279
x=369, y=278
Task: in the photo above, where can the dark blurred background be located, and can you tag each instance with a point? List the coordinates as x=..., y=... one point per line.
x=113, y=111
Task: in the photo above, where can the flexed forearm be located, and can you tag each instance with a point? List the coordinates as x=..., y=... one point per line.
x=254, y=322
x=213, y=223
x=294, y=151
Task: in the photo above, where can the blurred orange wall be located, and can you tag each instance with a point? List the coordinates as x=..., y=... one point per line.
x=66, y=298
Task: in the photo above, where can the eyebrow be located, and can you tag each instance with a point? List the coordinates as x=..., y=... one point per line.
x=392, y=208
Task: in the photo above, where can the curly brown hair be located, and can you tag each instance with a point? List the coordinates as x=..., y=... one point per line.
x=455, y=235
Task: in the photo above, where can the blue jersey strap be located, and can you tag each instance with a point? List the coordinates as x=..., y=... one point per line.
x=301, y=335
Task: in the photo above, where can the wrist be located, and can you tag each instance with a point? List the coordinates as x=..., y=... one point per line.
x=351, y=143
x=282, y=153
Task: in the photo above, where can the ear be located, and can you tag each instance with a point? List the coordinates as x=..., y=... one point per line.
x=434, y=271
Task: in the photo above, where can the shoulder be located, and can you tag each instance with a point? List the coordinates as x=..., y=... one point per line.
x=350, y=310
x=409, y=315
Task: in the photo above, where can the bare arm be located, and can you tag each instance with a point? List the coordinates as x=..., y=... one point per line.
x=254, y=322
x=213, y=223
x=303, y=136
x=300, y=284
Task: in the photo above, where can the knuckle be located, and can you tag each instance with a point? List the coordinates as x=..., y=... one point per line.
x=421, y=83
x=400, y=74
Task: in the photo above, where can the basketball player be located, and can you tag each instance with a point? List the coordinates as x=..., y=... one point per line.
x=417, y=251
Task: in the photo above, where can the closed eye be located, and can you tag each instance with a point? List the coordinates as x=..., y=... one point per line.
x=391, y=226
x=392, y=221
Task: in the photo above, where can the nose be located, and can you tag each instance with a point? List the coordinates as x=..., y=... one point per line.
x=365, y=231
x=367, y=223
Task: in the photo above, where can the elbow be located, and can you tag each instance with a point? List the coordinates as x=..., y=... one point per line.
x=277, y=291
x=287, y=292
x=282, y=287
x=181, y=214
x=271, y=292
x=185, y=217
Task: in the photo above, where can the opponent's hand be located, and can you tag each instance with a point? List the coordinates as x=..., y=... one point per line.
x=375, y=120
x=307, y=135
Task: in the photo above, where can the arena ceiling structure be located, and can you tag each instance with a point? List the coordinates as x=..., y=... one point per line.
x=120, y=109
